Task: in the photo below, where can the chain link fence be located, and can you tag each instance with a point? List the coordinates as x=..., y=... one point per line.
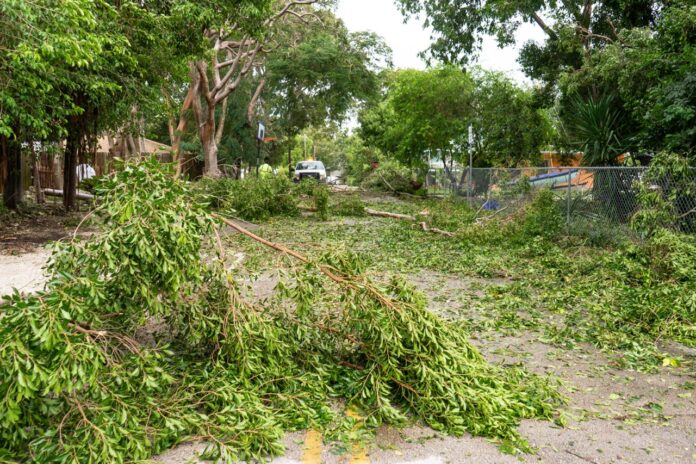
x=608, y=194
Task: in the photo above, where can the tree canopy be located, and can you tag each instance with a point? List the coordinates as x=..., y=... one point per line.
x=650, y=76
x=572, y=28
x=427, y=115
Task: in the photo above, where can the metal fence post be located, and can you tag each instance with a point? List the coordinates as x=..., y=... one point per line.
x=469, y=191
x=568, y=195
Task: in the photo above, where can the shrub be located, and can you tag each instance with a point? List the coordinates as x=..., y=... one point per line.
x=321, y=201
x=350, y=205
x=542, y=217
x=389, y=177
x=667, y=196
x=671, y=256
x=251, y=199
x=599, y=232
x=450, y=214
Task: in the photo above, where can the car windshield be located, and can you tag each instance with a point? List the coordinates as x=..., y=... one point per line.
x=309, y=166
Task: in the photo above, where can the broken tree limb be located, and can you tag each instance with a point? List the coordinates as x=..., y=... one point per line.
x=433, y=230
x=482, y=220
x=385, y=214
x=396, y=192
x=326, y=270
x=59, y=193
x=403, y=217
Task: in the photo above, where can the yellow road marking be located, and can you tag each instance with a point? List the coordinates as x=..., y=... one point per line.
x=358, y=454
x=312, y=448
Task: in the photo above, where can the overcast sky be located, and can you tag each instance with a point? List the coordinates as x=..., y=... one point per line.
x=407, y=40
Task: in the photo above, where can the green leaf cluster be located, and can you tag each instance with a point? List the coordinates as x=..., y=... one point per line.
x=141, y=341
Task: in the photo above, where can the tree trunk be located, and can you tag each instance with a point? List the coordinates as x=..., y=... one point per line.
x=205, y=121
x=12, y=192
x=450, y=174
x=134, y=148
x=254, y=100
x=206, y=133
x=221, y=123
x=72, y=148
x=177, y=133
x=210, y=156
x=40, y=198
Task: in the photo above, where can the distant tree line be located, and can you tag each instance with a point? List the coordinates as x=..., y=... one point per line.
x=196, y=74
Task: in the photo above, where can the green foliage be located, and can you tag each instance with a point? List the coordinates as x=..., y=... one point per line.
x=640, y=51
x=156, y=277
x=423, y=110
x=594, y=127
x=251, y=198
x=508, y=128
x=390, y=176
x=542, y=217
x=141, y=340
x=320, y=71
x=321, y=201
x=649, y=71
x=407, y=359
x=572, y=29
x=90, y=185
x=666, y=196
x=350, y=205
x=88, y=387
x=590, y=283
x=452, y=213
x=426, y=115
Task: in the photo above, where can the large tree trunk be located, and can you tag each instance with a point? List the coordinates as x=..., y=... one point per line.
x=206, y=134
x=210, y=149
x=176, y=131
x=13, y=193
x=72, y=148
x=205, y=119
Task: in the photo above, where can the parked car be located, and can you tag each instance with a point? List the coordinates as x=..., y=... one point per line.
x=310, y=170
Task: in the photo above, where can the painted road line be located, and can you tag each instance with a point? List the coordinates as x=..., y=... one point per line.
x=358, y=452
x=359, y=455
x=312, y=448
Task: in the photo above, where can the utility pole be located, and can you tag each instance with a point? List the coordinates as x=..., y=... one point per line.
x=469, y=192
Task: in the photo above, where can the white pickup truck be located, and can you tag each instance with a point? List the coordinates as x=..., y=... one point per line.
x=310, y=170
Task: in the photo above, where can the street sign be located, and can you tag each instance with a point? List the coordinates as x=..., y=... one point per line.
x=262, y=132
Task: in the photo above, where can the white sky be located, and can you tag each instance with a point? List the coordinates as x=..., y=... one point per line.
x=407, y=40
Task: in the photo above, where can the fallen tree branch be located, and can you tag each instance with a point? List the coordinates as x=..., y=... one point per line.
x=403, y=217
x=78, y=195
x=693, y=211
x=385, y=214
x=586, y=459
x=488, y=218
x=433, y=230
x=327, y=271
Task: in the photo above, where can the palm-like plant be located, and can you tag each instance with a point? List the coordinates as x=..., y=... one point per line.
x=594, y=127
